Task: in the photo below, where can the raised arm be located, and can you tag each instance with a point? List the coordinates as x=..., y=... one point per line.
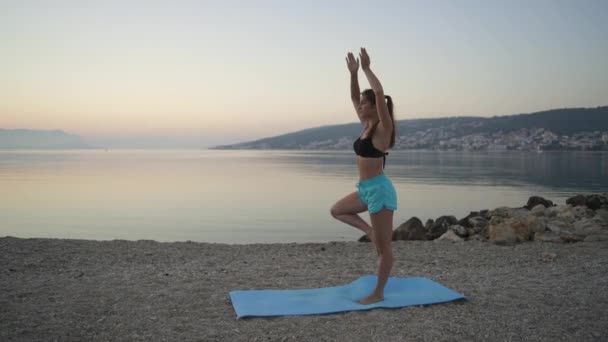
x=355, y=92
x=381, y=106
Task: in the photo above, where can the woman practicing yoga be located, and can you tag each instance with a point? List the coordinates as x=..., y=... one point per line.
x=376, y=193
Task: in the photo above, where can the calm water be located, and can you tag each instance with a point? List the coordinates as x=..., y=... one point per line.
x=262, y=196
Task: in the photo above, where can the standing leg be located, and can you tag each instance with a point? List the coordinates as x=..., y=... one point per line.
x=382, y=223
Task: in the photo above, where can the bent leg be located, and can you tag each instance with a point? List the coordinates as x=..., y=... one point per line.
x=346, y=210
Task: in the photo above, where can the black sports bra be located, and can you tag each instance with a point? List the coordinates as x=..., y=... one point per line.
x=365, y=148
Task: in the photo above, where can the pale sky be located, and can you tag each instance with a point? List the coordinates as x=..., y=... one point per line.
x=229, y=71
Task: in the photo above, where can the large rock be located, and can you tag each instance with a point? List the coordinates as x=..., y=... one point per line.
x=412, y=229
x=553, y=211
x=537, y=200
x=502, y=233
x=559, y=226
x=501, y=212
x=440, y=226
x=459, y=230
x=581, y=212
x=516, y=229
x=465, y=221
x=479, y=225
x=602, y=213
x=538, y=210
x=593, y=201
x=588, y=226
x=485, y=214
x=525, y=228
x=364, y=238
x=566, y=214
x=576, y=200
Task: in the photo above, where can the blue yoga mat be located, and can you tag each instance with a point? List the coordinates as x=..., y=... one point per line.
x=398, y=292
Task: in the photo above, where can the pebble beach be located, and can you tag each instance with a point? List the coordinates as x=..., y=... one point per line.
x=118, y=290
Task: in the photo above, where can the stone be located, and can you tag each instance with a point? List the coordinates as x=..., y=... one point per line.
x=524, y=229
x=547, y=236
x=520, y=212
x=593, y=201
x=537, y=200
x=566, y=214
x=459, y=230
x=502, y=234
x=364, y=238
x=558, y=226
x=538, y=210
x=552, y=211
x=440, y=226
x=536, y=224
x=582, y=212
x=412, y=229
x=576, y=200
x=451, y=236
x=588, y=226
x=479, y=225
x=477, y=237
x=570, y=237
x=603, y=214
x=485, y=214
x=502, y=212
x=547, y=256
x=596, y=237
x=465, y=220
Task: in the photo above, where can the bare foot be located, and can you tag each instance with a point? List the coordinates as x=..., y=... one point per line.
x=373, y=298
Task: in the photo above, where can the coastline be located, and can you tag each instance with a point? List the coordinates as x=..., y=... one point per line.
x=58, y=289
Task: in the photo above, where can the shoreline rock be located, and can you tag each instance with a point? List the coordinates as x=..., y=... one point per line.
x=582, y=218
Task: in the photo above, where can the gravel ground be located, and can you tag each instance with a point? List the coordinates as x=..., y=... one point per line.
x=81, y=290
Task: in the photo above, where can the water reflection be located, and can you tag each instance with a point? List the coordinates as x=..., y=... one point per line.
x=261, y=196
x=575, y=171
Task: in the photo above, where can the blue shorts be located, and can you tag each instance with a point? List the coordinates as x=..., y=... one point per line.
x=377, y=193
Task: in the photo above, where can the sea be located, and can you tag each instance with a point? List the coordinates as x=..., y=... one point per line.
x=263, y=196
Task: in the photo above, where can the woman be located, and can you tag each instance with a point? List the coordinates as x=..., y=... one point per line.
x=375, y=192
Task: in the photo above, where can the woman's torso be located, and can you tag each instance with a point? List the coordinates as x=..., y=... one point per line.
x=371, y=163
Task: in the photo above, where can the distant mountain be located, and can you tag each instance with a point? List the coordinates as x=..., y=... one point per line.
x=39, y=139
x=551, y=129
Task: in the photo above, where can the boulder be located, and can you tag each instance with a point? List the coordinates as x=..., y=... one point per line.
x=364, y=238
x=588, y=226
x=552, y=211
x=502, y=233
x=412, y=229
x=603, y=214
x=593, y=201
x=459, y=230
x=576, y=200
x=516, y=229
x=558, y=226
x=485, y=214
x=538, y=210
x=440, y=226
x=537, y=200
x=501, y=212
x=479, y=225
x=581, y=212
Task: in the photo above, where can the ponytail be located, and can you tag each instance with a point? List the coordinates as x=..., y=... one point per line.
x=389, y=104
